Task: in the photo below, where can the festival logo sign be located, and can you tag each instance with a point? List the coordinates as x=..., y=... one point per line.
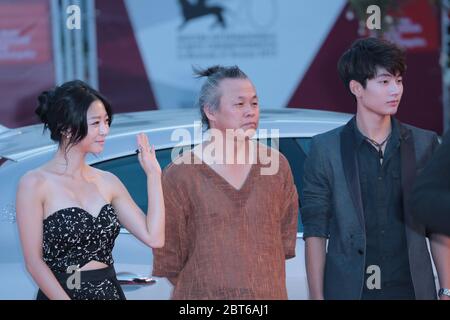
x=273, y=41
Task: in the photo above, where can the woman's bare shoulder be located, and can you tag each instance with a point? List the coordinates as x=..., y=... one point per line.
x=108, y=181
x=35, y=178
x=32, y=186
x=104, y=176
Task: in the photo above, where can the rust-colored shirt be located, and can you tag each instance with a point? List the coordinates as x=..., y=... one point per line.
x=224, y=243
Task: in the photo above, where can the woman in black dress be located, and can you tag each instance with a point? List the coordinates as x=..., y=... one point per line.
x=69, y=213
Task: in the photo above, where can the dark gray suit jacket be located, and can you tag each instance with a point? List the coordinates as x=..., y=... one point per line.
x=332, y=208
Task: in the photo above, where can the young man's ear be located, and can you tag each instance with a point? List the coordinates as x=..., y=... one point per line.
x=356, y=88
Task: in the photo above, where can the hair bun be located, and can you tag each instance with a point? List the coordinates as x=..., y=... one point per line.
x=207, y=72
x=45, y=100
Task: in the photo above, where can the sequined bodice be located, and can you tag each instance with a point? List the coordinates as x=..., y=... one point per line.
x=74, y=237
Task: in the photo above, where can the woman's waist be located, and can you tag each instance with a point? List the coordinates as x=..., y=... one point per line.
x=76, y=274
x=67, y=265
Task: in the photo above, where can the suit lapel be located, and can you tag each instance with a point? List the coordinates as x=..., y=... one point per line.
x=413, y=230
x=351, y=169
x=408, y=161
x=408, y=168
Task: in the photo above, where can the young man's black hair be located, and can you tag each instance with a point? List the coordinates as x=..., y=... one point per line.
x=361, y=61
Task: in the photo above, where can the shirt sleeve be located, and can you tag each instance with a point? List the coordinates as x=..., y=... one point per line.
x=169, y=260
x=315, y=209
x=289, y=219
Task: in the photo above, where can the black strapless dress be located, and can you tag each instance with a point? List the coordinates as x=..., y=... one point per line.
x=72, y=237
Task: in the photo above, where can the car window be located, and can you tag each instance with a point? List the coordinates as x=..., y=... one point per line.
x=304, y=143
x=128, y=170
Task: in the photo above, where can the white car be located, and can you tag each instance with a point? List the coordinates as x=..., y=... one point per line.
x=26, y=148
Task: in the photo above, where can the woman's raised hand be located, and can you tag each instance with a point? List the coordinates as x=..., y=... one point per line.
x=147, y=156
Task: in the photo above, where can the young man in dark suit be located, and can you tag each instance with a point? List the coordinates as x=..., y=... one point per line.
x=356, y=192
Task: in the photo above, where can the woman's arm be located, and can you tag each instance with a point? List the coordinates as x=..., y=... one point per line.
x=29, y=215
x=149, y=229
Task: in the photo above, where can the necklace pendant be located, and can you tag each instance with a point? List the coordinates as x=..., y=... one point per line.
x=380, y=153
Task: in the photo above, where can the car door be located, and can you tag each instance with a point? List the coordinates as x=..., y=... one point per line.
x=295, y=150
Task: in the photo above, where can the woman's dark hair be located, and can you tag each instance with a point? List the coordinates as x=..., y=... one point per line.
x=64, y=110
x=361, y=61
x=209, y=93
